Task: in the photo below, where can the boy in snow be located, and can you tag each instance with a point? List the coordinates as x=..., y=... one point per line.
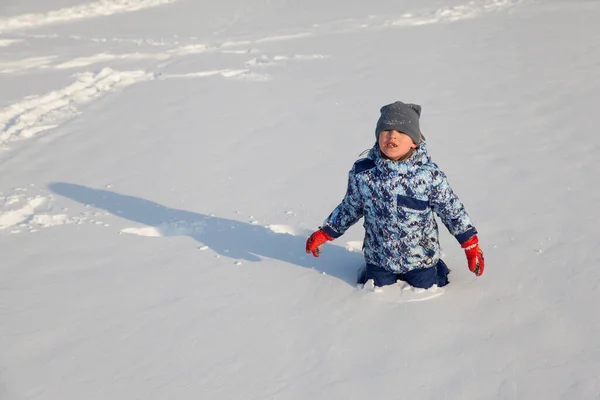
x=397, y=188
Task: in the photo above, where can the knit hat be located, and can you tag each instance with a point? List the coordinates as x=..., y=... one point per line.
x=400, y=117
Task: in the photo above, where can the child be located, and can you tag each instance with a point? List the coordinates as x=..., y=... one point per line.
x=397, y=188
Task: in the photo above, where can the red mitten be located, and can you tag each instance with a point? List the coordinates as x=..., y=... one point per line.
x=474, y=255
x=315, y=241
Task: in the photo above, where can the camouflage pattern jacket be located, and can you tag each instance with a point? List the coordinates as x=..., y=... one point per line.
x=398, y=200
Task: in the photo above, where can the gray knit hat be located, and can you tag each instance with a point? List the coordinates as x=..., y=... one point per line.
x=400, y=117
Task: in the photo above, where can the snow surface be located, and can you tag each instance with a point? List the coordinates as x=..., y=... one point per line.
x=163, y=161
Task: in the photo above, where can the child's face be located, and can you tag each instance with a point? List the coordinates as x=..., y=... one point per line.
x=395, y=144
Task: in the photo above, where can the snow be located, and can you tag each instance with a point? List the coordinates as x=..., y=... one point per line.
x=163, y=162
x=28, y=117
x=83, y=11
x=401, y=292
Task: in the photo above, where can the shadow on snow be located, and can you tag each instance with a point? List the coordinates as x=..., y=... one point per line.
x=229, y=238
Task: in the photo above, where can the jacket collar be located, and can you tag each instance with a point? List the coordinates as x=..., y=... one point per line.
x=418, y=158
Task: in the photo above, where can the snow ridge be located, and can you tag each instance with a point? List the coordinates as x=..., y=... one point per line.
x=39, y=113
x=8, y=42
x=13, y=217
x=24, y=211
x=100, y=8
x=426, y=16
x=452, y=14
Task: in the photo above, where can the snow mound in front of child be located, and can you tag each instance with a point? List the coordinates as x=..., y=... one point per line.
x=400, y=292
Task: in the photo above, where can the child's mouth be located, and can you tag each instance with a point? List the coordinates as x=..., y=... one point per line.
x=392, y=145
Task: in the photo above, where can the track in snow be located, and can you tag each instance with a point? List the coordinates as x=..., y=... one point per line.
x=101, y=8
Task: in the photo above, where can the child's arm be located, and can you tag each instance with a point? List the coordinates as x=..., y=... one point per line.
x=346, y=214
x=452, y=213
x=449, y=208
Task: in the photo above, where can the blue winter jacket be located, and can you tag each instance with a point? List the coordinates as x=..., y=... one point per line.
x=397, y=200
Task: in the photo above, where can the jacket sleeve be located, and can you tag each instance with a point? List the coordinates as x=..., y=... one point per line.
x=449, y=208
x=348, y=212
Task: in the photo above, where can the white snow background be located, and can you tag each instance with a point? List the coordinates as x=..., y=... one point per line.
x=163, y=161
